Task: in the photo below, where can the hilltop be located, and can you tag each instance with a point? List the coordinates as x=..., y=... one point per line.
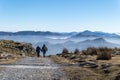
x=12, y=50
x=88, y=33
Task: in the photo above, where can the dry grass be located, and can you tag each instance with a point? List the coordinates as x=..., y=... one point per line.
x=107, y=58
x=61, y=60
x=84, y=73
x=114, y=61
x=78, y=73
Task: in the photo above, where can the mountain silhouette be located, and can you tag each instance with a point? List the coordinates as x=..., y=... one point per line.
x=86, y=33
x=94, y=34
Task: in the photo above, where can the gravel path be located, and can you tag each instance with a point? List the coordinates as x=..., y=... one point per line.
x=32, y=68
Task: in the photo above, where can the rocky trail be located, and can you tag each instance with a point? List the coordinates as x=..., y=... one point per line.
x=32, y=68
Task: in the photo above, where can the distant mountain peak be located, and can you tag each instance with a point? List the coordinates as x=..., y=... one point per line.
x=88, y=33
x=96, y=40
x=99, y=39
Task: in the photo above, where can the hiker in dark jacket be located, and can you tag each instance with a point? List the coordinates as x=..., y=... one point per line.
x=38, y=49
x=44, y=49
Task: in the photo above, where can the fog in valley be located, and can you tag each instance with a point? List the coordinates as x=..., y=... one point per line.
x=55, y=44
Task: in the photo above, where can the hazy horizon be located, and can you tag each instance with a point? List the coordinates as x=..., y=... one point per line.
x=59, y=31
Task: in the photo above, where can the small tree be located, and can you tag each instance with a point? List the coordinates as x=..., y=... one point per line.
x=91, y=51
x=76, y=51
x=104, y=54
x=65, y=50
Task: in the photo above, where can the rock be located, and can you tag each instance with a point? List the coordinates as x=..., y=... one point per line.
x=94, y=66
x=65, y=56
x=80, y=61
x=92, y=60
x=82, y=64
x=72, y=57
x=106, y=71
x=6, y=56
x=22, y=54
x=89, y=64
x=104, y=66
x=117, y=53
x=16, y=48
x=117, y=77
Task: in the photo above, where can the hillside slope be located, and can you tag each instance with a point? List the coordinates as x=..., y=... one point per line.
x=10, y=49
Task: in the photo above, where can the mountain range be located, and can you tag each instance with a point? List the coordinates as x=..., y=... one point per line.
x=71, y=45
x=41, y=33
x=95, y=34
x=70, y=34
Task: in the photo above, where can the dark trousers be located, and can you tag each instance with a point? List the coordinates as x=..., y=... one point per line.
x=44, y=54
x=38, y=54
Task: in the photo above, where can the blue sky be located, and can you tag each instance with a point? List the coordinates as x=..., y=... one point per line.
x=60, y=15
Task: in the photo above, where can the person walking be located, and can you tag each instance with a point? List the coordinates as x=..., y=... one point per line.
x=44, y=49
x=38, y=49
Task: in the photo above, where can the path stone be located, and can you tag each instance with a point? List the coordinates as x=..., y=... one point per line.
x=32, y=68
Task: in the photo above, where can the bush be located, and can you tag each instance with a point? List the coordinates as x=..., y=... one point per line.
x=104, y=54
x=65, y=50
x=92, y=51
x=76, y=51
x=84, y=52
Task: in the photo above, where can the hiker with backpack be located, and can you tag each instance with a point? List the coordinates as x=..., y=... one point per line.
x=44, y=49
x=38, y=49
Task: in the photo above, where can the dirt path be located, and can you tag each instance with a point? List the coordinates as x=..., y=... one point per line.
x=32, y=68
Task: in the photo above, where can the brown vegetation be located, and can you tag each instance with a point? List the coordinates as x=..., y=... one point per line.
x=76, y=51
x=92, y=64
x=65, y=50
x=104, y=54
x=77, y=73
x=90, y=51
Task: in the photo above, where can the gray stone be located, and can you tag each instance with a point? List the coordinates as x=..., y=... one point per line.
x=104, y=66
x=117, y=77
x=106, y=71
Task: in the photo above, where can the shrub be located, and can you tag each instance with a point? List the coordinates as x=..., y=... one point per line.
x=65, y=50
x=84, y=52
x=92, y=51
x=104, y=54
x=76, y=51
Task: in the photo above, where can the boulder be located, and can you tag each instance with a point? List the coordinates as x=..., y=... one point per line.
x=16, y=48
x=89, y=64
x=5, y=55
x=118, y=76
x=117, y=53
x=106, y=71
x=104, y=66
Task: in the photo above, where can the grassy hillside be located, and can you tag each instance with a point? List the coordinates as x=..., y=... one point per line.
x=90, y=64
